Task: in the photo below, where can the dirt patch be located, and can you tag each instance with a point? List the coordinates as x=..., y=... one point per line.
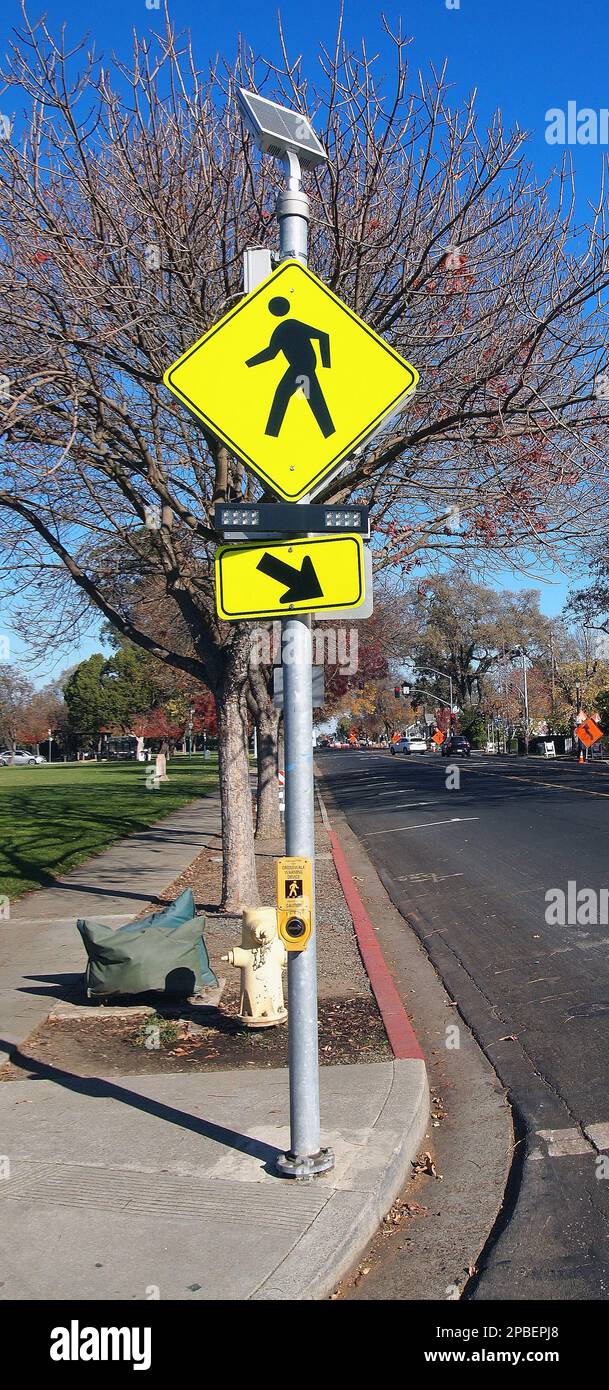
x=350, y=1030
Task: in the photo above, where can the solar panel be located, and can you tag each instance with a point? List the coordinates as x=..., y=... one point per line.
x=277, y=128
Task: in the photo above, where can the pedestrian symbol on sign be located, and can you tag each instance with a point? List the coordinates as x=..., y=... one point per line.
x=294, y=888
x=292, y=381
x=294, y=340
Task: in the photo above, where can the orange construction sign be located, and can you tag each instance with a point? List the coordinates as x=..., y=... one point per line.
x=438, y=737
x=588, y=733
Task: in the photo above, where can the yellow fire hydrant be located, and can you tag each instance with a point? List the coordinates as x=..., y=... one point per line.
x=260, y=958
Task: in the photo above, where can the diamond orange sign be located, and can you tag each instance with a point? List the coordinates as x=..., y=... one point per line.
x=588, y=733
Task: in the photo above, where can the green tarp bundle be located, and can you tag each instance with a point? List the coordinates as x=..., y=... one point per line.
x=163, y=953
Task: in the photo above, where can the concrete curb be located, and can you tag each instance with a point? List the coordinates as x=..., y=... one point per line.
x=398, y=1027
x=351, y=1218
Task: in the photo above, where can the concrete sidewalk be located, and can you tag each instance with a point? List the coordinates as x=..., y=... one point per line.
x=162, y=1185
x=40, y=949
x=166, y=1183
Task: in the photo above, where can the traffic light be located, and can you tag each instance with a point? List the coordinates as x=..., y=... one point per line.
x=397, y=690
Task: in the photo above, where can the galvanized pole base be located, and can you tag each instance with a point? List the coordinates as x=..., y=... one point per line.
x=290, y=1166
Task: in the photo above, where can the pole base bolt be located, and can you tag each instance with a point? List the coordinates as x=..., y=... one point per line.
x=305, y=1167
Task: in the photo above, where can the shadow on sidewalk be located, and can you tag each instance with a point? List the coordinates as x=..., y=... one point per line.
x=98, y=1089
x=66, y=987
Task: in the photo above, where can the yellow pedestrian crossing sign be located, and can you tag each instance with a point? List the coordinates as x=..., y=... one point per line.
x=291, y=380
x=284, y=577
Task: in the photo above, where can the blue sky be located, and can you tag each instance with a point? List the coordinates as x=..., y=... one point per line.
x=522, y=56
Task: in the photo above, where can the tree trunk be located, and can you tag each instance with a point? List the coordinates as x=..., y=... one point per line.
x=239, y=884
x=268, y=818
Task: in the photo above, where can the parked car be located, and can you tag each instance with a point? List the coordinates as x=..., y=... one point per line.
x=456, y=747
x=19, y=758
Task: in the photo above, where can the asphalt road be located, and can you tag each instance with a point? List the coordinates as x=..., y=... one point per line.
x=468, y=867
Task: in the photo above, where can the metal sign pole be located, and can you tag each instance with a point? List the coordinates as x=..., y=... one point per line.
x=306, y=1157
x=206, y=379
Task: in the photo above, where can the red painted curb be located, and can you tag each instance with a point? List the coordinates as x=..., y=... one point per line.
x=398, y=1027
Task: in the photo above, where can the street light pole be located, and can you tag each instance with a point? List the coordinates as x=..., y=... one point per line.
x=526, y=703
x=445, y=676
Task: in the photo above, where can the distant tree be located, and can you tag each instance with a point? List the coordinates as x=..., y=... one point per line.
x=468, y=632
x=86, y=697
x=15, y=693
x=45, y=711
x=108, y=692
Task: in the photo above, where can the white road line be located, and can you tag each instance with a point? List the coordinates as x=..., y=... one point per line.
x=562, y=1143
x=426, y=878
x=423, y=825
x=395, y=791
x=410, y=805
x=599, y=1134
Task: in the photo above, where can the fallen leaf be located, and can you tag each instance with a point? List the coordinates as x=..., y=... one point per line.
x=425, y=1164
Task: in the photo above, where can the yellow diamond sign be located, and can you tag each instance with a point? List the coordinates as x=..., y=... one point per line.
x=284, y=577
x=291, y=380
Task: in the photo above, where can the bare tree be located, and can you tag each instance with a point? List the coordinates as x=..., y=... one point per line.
x=126, y=198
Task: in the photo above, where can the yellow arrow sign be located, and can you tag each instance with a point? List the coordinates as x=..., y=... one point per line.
x=291, y=380
x=263, y=581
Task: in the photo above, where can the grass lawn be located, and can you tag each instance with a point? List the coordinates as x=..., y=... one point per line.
x=52, y=818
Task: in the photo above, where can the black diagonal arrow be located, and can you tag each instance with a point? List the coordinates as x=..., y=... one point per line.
x=302, y=583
